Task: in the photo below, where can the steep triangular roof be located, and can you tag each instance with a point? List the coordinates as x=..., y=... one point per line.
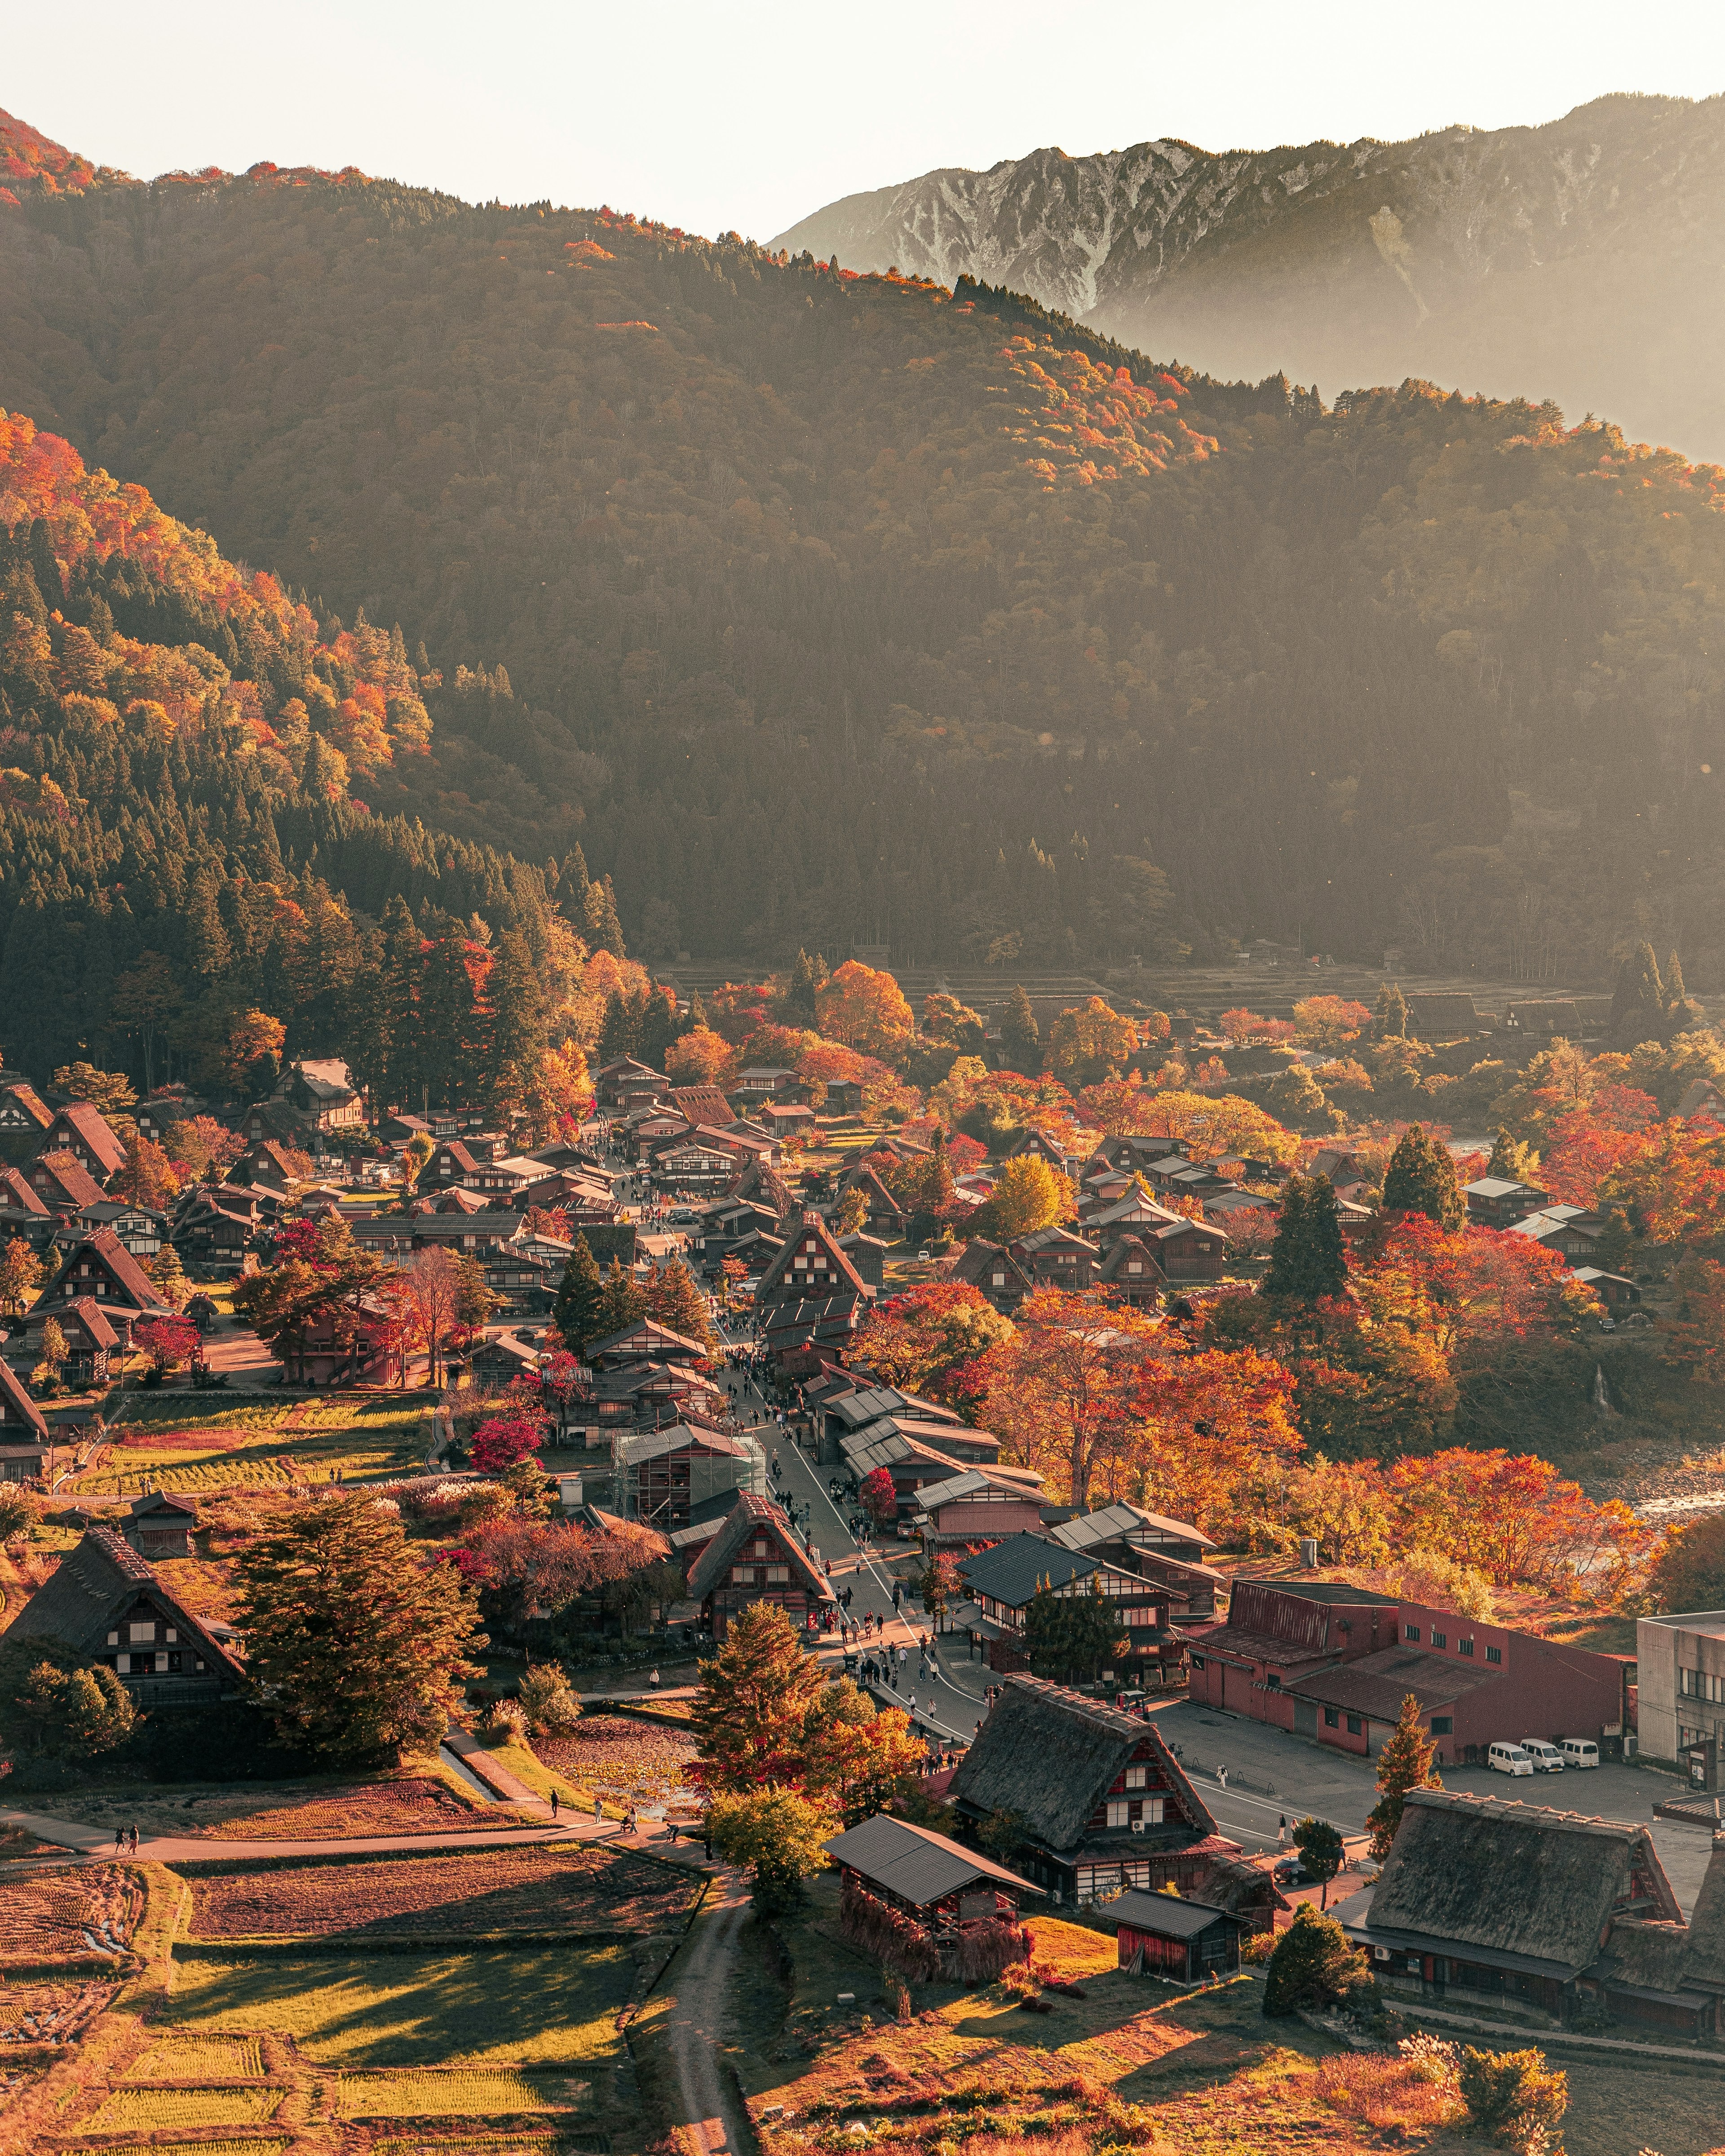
x=30, y=1102
x=91, y=1588
x=1121, y=1253
x=1051, y=1755
x=86, y=1119
x=15, y=1191
x=739, y=1523
x=62, y=1172
x=811, y=1237
x=17, y=1410
x=105, y=1252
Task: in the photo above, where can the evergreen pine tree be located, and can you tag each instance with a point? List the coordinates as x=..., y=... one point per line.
x=622, y=1302
x=1404, y=1763
x=658, y=1027
x=1020, y=1036
x=516, y=1033
x=698, y=1020
x=1512, y=1159
x=620, y=1030
x=936, y=1192
x=168, y=1275
x=1309, y=1259
x=808, y=977
x=1421, y=1178
x=448, y=1018
x=1389, y=1021
x=1638, y=1001
x=1314, y=1964
x=600, y=923
x=577, y=1298
x=674, y=1300
x=396, y=1024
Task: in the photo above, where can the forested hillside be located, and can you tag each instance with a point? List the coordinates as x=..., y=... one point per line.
x=825, y=608
x=187, y=880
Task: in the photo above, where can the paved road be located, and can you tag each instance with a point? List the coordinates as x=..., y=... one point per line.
x=957, y=1709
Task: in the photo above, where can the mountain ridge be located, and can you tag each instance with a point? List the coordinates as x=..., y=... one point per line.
x=1475, y=259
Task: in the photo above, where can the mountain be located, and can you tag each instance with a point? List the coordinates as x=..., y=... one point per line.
x=1579, y=262
x=825, y=608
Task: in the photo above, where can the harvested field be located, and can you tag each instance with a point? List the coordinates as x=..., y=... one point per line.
x=158, y=2110
x=31, y=2013
x=538, y=1887
x=200, y=2059
x=62, y=1916
x=304, y=1811
x=617, y=1756
x=545, y=2005
x=268, y=2145
x=528, y=2143
x=484, y=2092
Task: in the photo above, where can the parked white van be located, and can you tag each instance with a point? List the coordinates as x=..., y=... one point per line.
x=1579, y=1753
x=1508, y=1759
x=1546, y=1758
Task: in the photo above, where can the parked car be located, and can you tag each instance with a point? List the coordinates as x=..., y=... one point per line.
x=1508, y=1759
x=683, y=1216
x=1546, y=1758
x=1579, y=1752
x=1291, y=1873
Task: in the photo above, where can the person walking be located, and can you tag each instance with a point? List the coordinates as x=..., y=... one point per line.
x=1222, y=1776
x=119, y=1839
x=553, y=1804
x=1283, y=1833
x=598, y=1811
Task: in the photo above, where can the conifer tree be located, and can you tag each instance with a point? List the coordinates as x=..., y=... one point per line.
x=577, y=1298
x=659, y=1026
x=1638, y=1001
x=600, y=925
x=168, y=1275
x=1020, y=1036
x=620, y=1031
x=675, y=1301
x=397, y=1027
x=515, y=1030
x=354, y=1647
x=1421, y=1178
x=1314, y=1964
x=808, y=977
x=1512, y=1159
x=1404, y=1763
x=1308, y=1260
x=622, y=1302
x=1389, y=1022
x=448, y=1016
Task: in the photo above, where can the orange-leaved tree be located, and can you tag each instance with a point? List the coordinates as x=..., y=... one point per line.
x=866, y=1010
x=1063, y=1390
x=923, y=1339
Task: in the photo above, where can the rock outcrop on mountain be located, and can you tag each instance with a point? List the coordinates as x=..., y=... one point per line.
x=1578, y=261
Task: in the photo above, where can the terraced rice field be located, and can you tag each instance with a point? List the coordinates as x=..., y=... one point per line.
x=491, y=2145
x=614, y=1755
x=536, y=1888
x=200, y=2059
x=44, y=1919
x=156, y=2110
x=484, y=2092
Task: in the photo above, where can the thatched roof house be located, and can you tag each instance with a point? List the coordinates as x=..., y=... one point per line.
x=1550, y=1911
x=107, y=1605
x=1103, y=1801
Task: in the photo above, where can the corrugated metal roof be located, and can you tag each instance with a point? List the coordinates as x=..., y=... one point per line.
x=917, y=1865
x=1165, y=1915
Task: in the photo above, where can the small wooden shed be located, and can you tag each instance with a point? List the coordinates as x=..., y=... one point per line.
x=1163, y=1935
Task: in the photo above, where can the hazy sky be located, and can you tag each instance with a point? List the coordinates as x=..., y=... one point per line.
x=714, y=116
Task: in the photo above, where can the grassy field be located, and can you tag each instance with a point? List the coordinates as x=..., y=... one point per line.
x=428, y=1801
x=488, y=2091
x=550, y=2006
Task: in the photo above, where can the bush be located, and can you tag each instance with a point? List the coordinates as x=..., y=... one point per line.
x=504, y=1722
x=547, y=1701
x=1514, y=2097
x=1313, y=1965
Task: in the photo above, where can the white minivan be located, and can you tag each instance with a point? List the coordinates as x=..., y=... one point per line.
x=1508, y=1759
x=1546, y=1758
x=1579, y=1753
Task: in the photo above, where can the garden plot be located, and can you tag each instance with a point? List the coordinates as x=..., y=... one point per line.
x=536, y=1888
x=551, y=2006
x=527, y=2143
x=67, y=1916
x=484, y=2093
x=158, y=2110
x=639, y=1762
x=267, y=2144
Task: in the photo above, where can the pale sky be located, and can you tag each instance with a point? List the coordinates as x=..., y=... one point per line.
x=714, y=116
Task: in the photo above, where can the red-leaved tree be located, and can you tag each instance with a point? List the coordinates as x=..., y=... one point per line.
x=499, y=1444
